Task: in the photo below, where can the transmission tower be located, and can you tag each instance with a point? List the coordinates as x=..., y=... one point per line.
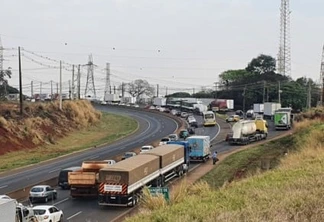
x=1, y=56
x=107, y=87
x=322, y=78
x=90, y=86
x=284, y=56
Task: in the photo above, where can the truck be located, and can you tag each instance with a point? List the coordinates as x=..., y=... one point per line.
x=222, y=105
x=158, y=101
x=282, y=119
x=11, y=211
x=247, y=131
x=121, y=184
x=258, y=108
x=199, y=109
x=111, y=97
x=84, y=182
x=200, y=148
x=186, y=151
x=270, y=108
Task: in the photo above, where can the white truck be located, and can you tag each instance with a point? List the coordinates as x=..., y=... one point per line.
x=10, y=211
x=200, y=148
x=258, y=108
x=270, y=109
x=111, y=98
x=158, y=101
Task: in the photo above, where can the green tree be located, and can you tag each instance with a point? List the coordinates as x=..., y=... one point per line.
x=262, y=64
x=231, y=76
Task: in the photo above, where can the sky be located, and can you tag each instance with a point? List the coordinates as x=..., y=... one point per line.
x=182, y=45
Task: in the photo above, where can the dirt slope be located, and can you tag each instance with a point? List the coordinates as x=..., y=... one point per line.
x=42, y=123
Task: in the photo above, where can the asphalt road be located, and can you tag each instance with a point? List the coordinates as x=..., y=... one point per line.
x=152, y=128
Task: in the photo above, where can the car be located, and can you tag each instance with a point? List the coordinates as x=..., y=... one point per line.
x=128, y=155
x=6, y=197
x=174, y=112
x=48, y=213
x=233, y=118
x=43, y=193
x=110, y=162
x=103, y=103
x=183, y=134
x=184, y=114
x=146, y=148
x=164, y=141
x=173, y=137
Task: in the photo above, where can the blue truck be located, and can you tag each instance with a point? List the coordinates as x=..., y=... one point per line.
x=199, y=148
x=186, y=151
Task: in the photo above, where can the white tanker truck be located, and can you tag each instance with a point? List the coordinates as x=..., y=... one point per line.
x=247, y=131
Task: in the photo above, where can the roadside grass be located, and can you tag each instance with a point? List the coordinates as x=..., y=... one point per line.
x=110, y=128
x=291, y=191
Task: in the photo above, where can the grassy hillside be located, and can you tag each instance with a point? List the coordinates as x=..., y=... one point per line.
x=239, y=190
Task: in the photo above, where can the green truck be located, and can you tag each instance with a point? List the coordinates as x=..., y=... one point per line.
x=282, y=120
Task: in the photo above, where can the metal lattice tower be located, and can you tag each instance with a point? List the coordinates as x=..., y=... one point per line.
x=90, y=85
x=107, y=87
x=322, y=78
x=1, y=57
x=284, y=55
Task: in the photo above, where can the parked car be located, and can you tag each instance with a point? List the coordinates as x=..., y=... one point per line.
x=128, y=155
x=146, y=148
x=233, y=118
x=184, y=114
x=164, y=141
x=48, y=213
x=43, y=193
x=173, y=137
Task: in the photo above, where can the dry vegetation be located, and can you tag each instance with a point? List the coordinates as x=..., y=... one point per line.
x=291, y=191
x=42, y=123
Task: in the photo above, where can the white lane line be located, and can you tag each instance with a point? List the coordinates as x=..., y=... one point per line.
x=217, y=132
x=74, y=215
x=4, y=186
x=94, y=157
x=62, y=201
x=53, y=170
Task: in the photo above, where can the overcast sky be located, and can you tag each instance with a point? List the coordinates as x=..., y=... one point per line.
x=173, y=43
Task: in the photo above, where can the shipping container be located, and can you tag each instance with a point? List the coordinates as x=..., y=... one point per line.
x=258, y=108
x=270, y=108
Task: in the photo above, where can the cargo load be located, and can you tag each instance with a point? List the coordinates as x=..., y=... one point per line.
x=246, y=131
x=200, y=148
x=270, y=109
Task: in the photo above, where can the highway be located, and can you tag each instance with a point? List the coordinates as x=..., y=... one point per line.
x=152, y=127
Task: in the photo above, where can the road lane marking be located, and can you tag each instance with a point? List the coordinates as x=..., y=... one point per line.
x=4, y=186
x=219, y=129
x=74, y=215
x=61, y=201
x=53, y=170
x=94, y=157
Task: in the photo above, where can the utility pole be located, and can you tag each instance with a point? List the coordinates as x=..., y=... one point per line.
x=193, y=91
x=60, y=85
x=279, y=93
x=73, y=85
x=157, y=90
x=264, y=89
x=51, y=89
x=40, y=88
x=20, y=84
x=216, y=83
x=309, y=95
x=79, y=82
x=114, y=89
x=31, y=89
x=70, y=92
x=123, y=91
x=107, y=80
x=244, y=90
x=57, y=89
x=166, y=91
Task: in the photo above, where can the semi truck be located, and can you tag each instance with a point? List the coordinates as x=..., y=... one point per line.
x=121, y=184
x=282, y=119
x=10, y=211
x=222, y=105
x=270, y=109
x=199, y=148
x=186, y=152
x=84, y=183
x=247, y=131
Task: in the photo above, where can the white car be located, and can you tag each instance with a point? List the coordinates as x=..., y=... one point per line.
x=47, y=213
x=173, y=137
x=164, y=141
x=42, y=192
x=6, y=197
x=110, y=162
x=146, y=148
